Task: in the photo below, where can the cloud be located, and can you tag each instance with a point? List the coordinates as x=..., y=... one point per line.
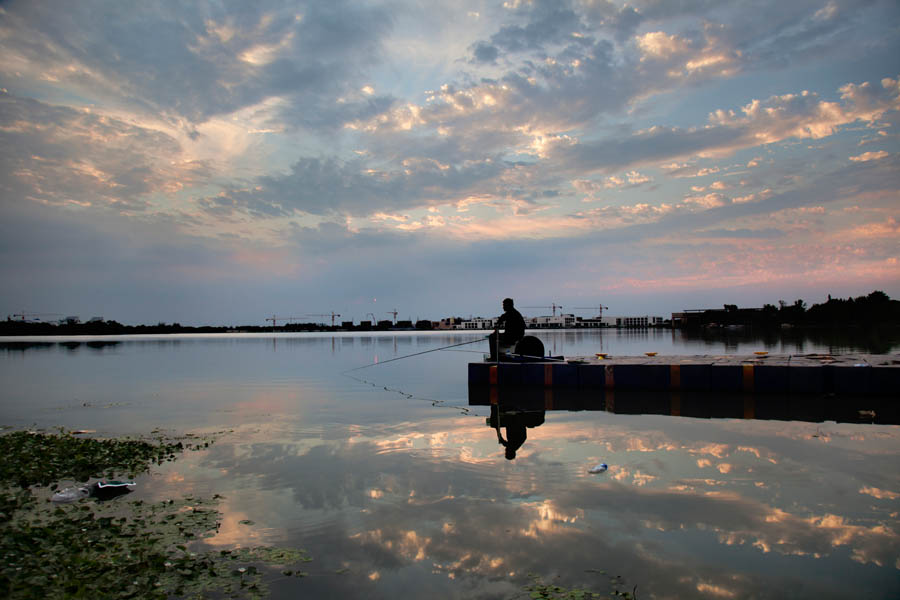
x=68, y=157
x=329, y=187
x=485, y=53
x=190, y=63
x=879, y=493
x=740, y=233
x=867, y=156
x=801, y=116
x=319, y=136
x=545, y=23
x=889, y=228
x=706, y=201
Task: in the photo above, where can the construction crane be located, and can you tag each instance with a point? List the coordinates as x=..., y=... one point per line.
x=600, y=308
x=553, y=305
x=393, y=312
x=332, y=314
x=25, y=315
x=275, y=320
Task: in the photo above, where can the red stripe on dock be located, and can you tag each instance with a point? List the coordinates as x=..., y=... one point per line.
x=675, y=377
x=748, y=378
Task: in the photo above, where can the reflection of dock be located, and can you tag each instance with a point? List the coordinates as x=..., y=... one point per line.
x=857, y=375
x=704, y=405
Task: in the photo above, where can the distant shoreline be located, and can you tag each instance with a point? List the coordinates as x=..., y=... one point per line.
x=43, y=330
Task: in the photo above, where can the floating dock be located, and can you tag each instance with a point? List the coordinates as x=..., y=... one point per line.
x=785, y=374
x=880, y=410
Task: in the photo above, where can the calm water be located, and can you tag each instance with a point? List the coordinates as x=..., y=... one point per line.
x=393, y=476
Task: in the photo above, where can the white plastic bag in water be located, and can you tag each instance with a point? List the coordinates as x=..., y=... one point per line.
x=71, y=494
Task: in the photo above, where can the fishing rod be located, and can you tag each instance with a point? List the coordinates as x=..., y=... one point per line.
x=411, y=355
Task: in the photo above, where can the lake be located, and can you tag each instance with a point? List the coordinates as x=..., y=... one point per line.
x=398, y=487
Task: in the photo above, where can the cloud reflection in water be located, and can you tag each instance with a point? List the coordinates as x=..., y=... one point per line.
x=689, y=508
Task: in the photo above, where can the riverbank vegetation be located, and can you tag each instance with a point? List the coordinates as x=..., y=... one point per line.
x=874, y=310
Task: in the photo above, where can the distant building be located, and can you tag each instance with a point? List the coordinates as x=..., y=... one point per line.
x=645, y=321
x=550, y=322
x=449, y=323
x=476, y=323
x=594, y=322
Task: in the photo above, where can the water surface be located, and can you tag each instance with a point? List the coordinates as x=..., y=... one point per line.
x=392, y=478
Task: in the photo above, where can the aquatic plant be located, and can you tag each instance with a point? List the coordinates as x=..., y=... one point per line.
x=34, y=458
x=115, y=549
x=538, y=589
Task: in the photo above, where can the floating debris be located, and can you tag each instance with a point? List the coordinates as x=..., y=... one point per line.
x=70, y=494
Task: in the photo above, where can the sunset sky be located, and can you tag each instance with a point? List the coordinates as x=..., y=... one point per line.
x=217, y=163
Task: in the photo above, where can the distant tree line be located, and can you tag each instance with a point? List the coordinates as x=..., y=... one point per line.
x=875, y=309
x=97, y=327
x=16, y=327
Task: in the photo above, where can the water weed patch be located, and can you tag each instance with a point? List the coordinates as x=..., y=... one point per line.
x=116, y=549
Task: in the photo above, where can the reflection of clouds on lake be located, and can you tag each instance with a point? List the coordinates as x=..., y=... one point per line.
x=877, y=493
x=438, y=497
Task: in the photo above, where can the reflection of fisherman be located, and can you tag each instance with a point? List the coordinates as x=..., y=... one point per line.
x=515, y=423
x=514, y=325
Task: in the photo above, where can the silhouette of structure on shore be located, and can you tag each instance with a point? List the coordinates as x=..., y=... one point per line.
x=876, y=309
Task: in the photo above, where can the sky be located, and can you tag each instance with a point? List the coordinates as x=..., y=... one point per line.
x=223, y=162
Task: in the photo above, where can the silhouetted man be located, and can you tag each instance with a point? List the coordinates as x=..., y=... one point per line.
x=514, y=325
x=515, y=422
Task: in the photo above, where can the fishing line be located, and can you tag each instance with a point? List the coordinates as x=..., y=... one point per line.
x=411, y=355
x=464, y=410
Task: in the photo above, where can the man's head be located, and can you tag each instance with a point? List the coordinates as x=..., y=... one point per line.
x=507, y=303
